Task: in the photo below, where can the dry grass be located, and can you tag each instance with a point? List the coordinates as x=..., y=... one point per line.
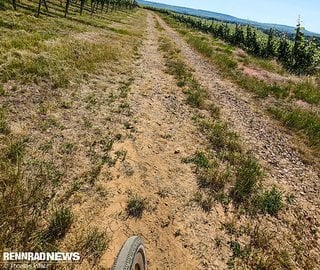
x=55, y=140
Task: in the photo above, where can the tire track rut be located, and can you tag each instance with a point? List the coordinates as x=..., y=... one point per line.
x=270, y=143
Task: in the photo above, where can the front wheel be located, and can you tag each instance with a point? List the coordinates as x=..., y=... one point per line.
x=132, y=255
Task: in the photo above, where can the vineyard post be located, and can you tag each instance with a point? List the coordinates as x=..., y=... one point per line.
x=14, y=4
x=67, y=8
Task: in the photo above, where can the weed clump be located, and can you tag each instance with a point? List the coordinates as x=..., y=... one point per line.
x=247, y=179
x=175, y=66
x=205, y=201
x=222, y=138
x=14, y=150
x=237, y=250
x=59, y=224
x=199, y=159
x=135, y=206
x=214, y=179
x=4, y=127
x=270, y=202
x=195, y=94
x=93, y=244
x=214, y=110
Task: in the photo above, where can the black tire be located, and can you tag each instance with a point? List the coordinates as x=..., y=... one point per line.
x=132, y=255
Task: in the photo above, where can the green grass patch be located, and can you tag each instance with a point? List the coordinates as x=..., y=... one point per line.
x=32, y=51
x=196, y=94
x=214, y=179
x=270, y=202
x=199, y=159
x=248, y=176
x=14, y=150
x=220, y=137
x=201, y=44
x=308, y=91
x=305, y=122
x=266, y=64
x=58, y=63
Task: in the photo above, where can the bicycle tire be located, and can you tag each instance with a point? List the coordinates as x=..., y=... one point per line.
x=132, y=255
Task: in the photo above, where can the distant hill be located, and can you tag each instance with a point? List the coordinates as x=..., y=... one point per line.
x=225, y=18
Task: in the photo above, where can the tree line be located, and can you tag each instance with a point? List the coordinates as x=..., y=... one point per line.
x=95, y=5
x=300, y=56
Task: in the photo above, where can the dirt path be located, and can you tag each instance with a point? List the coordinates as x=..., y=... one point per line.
x=271, y=144
x=178, y=234
x=162, y=134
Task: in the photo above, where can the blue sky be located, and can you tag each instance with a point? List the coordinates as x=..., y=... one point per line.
x=269, y=11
